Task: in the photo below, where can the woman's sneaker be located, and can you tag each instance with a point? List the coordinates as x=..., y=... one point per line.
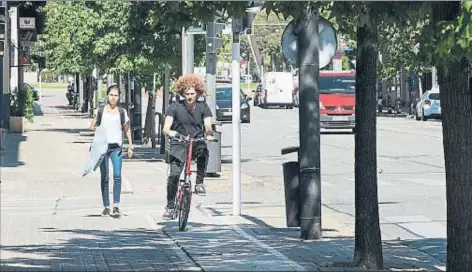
x=116, y=212
x=106, y=212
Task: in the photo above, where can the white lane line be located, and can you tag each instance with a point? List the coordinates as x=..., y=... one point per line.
x=230, y=222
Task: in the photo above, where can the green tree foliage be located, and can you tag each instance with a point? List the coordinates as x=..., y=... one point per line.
x=448, y=39
x=268, y=30
x=138, y=37
x=66, y=38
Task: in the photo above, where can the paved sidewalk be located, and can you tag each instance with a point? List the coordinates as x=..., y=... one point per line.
x=50, y=216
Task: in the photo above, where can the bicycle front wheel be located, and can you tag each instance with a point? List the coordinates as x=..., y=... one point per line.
x=185, y=208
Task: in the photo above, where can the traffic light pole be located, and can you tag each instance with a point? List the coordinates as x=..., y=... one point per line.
x=211, y=67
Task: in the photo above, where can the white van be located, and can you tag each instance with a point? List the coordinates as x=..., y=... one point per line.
x=278, y=88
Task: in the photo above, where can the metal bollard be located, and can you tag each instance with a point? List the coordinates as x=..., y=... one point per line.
x=292, y=193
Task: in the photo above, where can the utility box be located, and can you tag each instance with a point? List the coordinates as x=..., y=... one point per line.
x=214, y=161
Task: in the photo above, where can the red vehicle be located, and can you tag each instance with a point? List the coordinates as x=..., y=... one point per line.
x=337, y=99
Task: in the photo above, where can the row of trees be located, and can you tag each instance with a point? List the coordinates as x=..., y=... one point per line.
x=428, y=34
x=140, y=38
x=143, y=37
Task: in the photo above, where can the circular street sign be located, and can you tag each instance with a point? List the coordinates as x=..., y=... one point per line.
x=327, y=45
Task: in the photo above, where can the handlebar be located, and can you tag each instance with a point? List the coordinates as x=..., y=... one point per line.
x=185, y=139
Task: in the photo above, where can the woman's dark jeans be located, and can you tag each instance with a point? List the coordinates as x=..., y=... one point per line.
x=116, y=159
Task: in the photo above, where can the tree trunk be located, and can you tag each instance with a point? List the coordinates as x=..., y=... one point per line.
x=456, y=104
x=368, y=243
x=91, y=96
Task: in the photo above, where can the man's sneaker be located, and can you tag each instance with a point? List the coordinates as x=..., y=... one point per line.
x=200, y=189
x=116, y=212
x=168, y=214
x=106, y=212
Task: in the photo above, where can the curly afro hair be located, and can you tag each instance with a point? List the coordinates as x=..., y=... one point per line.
x=188, y=81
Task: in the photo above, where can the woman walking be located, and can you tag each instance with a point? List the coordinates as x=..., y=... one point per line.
x=115, y=122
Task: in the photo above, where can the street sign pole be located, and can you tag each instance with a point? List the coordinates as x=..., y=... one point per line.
x=309, y=118
x=301, y=46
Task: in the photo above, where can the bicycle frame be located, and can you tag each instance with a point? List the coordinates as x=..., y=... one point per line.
x=187, y=171
x=188, y=163
x=183, y=205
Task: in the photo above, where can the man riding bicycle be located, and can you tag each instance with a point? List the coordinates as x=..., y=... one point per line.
x=187, y=117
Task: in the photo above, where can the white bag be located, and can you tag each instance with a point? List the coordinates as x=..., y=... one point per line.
x=98, y=149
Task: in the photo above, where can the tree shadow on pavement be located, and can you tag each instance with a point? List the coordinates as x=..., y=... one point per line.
x=66, y=107
x=96, y=250
x=266, y=225
x=76, y=116
x=217, y=246
x=436, y=247
x=228, y=159
x=262, y=226
x=225, y=247
x=144, y=154
x=65, y=130
x=9, y=154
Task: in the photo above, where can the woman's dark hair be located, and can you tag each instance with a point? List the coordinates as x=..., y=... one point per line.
x=113, y=87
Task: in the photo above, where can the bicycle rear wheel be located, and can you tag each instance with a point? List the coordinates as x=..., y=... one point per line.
x=185, y=208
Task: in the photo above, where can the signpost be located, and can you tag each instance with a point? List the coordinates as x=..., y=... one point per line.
x=309, y=43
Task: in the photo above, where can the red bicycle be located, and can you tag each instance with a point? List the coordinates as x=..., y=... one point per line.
x=184, y=195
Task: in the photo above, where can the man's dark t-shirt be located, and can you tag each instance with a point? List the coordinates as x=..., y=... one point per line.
x=188, y=122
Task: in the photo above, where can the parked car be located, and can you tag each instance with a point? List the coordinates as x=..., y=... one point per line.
x=429, y=105
x=33, y=90
x=224, y=104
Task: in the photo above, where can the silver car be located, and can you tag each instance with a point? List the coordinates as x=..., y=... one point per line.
x=429, y=106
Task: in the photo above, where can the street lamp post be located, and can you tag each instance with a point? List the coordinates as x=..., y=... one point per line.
x=236, y=116
x=239, y=26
